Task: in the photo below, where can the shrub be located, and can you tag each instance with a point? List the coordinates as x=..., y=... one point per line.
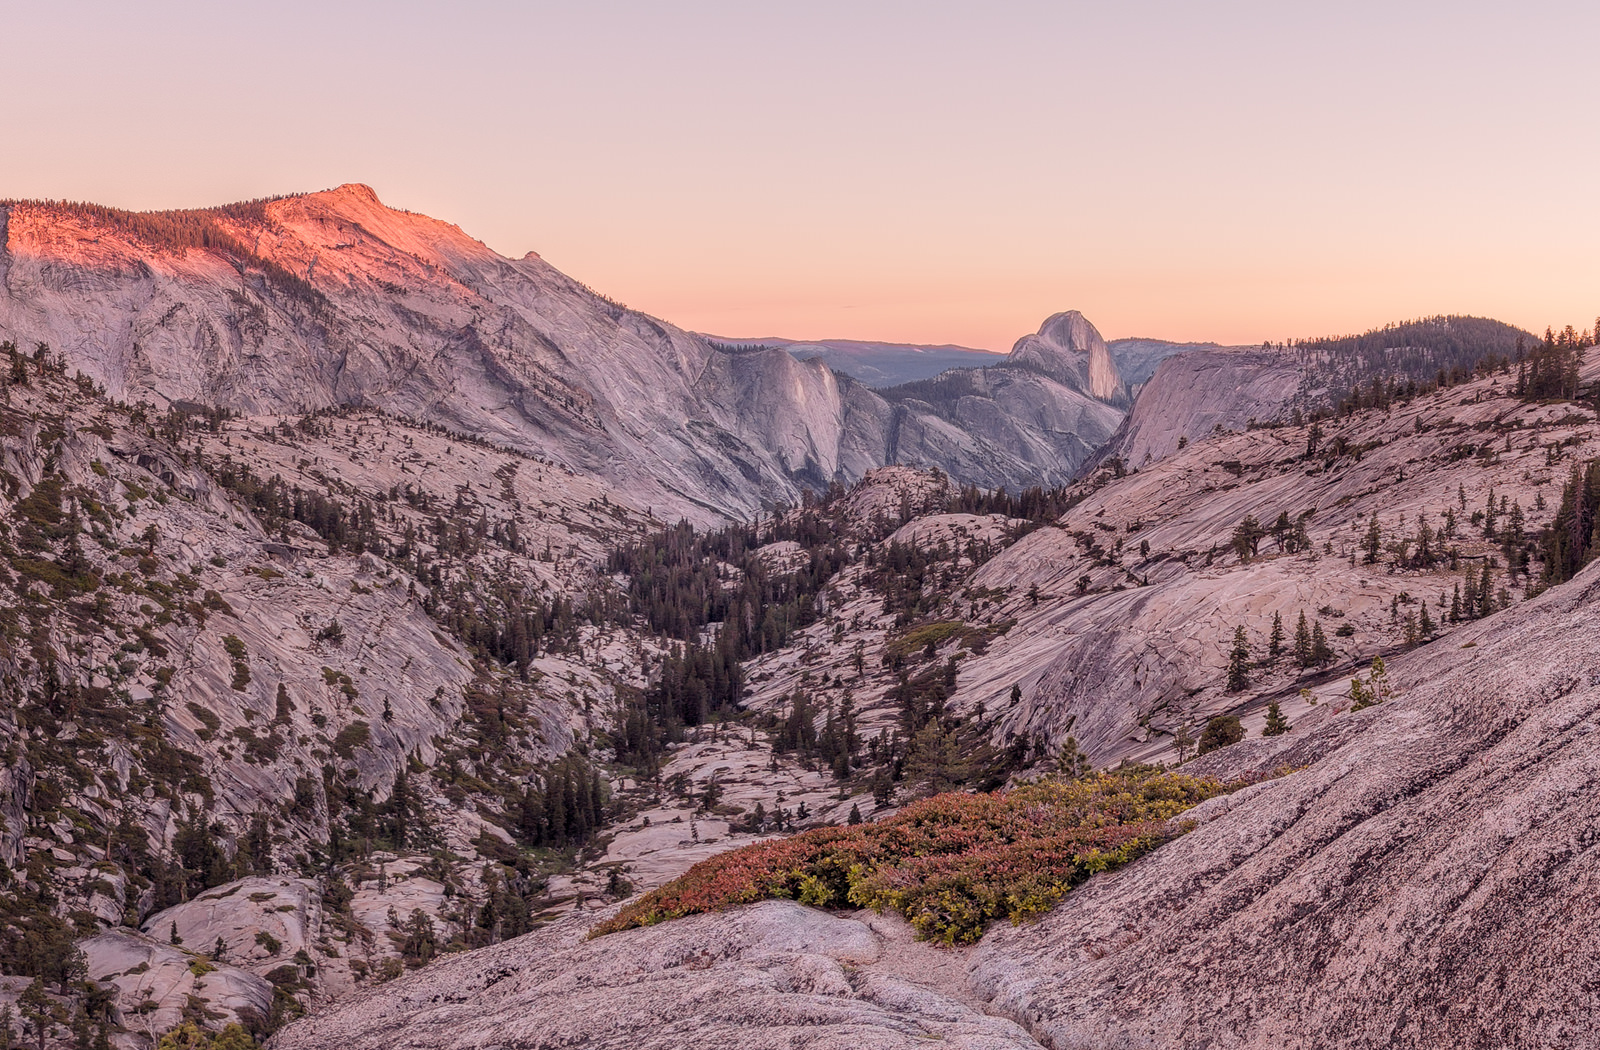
x=933, y=634
x=1220, y=732
x=241, y=668
x=209, y=722
x=951, y=864
x=352, y=736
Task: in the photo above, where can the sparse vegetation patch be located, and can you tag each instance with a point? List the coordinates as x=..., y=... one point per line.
x=951, y=864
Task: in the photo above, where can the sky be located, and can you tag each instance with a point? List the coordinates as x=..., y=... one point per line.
x=920, y=171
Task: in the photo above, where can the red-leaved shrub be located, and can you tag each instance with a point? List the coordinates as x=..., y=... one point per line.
x=951, y=864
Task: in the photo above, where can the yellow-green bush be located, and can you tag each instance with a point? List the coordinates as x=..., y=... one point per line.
x=951, y=864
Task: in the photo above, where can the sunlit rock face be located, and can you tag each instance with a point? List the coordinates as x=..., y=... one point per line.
x=1069, y=349
x=333, y=299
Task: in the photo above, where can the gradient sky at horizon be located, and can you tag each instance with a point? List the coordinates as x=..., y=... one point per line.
x=925, y=172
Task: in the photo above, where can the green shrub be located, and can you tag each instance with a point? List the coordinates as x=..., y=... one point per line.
x=1219, y=732
x=241, y=669
x=951, y=864
x=352, y=736
x=209, y=721
x=919, y=638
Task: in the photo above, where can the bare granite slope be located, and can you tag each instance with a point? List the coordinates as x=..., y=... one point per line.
x=774, y=975
x=1428, y=880
x=1431, y=881
x=1193, y=393
x=332, y=298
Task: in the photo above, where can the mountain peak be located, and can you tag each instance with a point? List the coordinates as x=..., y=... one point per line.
x=357, y=190
x=1069, y=330
x=1070, y=350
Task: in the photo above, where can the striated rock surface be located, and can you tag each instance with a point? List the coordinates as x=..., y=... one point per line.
x=333, y=299
x=1191, y=394
x=1069, y=349
x=1430, y=881
x=768, y=976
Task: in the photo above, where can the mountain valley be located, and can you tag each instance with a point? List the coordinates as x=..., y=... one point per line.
x=380, y=618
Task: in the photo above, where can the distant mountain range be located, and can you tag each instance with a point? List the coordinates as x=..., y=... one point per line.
x=329, y=299
x=879, y=364
x=875, y=364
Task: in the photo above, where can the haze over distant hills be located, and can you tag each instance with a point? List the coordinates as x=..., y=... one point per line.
x=881, y=364
x=876, y=364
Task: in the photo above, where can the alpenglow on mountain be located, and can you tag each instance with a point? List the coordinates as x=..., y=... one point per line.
x=329, y=299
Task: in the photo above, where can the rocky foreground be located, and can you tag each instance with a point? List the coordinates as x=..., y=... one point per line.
x=1427, y=879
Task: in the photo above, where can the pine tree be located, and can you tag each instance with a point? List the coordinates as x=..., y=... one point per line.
x=1571, y=539
x=882, y=786
x=1073, y=763
x=1302, y=641
x=1375, y=690
x=1182, y=741
x=1220, y=731
x=1246, y=540
x=1275, y=639
x=934, y=760
x=421, y=940
x=1424, y=558
x=855, y=814
x=1276, y=725
x=1283, y=530
x=399, y=810
x=1372, y=543
x=39, y=1012
x=1239, y=661
x=1360, y=695
x=1378, y=677
x=1425, y=626
x=1321, y=652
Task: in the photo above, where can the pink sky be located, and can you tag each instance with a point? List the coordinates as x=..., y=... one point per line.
x=925, y=171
